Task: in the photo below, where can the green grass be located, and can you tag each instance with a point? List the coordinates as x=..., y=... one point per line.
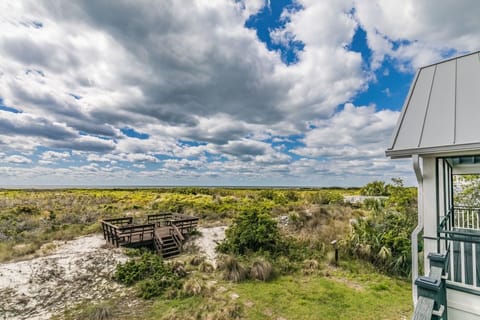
x=325, y=298
x=338, y=295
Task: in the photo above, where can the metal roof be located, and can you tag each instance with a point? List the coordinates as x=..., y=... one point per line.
x=441, y=114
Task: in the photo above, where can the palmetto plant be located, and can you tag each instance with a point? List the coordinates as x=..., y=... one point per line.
x=383, y=237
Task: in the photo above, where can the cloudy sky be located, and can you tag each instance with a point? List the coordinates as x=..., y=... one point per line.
x=214, y=92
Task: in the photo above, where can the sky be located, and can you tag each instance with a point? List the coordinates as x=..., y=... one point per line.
x=214, y=92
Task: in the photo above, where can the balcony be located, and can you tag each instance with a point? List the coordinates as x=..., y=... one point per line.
x=460, y=231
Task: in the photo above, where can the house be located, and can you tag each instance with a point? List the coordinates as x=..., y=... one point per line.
x=439, y=129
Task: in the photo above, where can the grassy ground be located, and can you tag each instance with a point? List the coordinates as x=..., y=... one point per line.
x=338, y=294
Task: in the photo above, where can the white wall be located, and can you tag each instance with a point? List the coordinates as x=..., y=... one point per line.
x=462, y=306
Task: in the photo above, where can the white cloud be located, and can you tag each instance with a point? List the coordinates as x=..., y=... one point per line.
x=51, y=157
x=124, y=77
x=17, y=159
x=353, y=132
x=212, y=98
x=424, y=30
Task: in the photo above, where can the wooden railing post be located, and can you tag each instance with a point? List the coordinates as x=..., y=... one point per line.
x=432, y=288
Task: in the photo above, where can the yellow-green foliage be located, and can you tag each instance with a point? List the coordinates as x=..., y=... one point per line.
x=34, y=217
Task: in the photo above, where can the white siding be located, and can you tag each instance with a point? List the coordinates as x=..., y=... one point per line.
x=462, y=306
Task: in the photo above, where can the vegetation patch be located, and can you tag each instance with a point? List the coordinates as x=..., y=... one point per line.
x=150, y=272
x=279, y=261
x=252, y=230
x=232, y=269
x=261, y=270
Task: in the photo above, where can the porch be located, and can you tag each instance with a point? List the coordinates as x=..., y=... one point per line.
x=451, y=231
x=459, y=230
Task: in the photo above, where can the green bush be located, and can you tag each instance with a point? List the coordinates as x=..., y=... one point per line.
x=154, y=287
x=285, y=266
x=251, y=231
x=151, y=273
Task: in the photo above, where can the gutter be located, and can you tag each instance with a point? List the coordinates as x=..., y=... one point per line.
x=418, y=228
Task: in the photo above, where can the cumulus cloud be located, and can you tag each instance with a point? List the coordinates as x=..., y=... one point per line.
x=353, y=132
x=50, y=157
x=35, y=126
x=17, y=159
x=131, y=64
x=211, y=99
x=417, y=33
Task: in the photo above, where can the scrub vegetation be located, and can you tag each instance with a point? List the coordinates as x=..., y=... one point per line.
x=276, y=262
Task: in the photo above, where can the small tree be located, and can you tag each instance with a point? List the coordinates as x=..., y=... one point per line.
x=251, y=231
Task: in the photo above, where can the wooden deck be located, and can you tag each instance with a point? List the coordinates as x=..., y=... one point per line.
x=164, y=232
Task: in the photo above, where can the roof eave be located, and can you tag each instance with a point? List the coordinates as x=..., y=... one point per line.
x=453, y=150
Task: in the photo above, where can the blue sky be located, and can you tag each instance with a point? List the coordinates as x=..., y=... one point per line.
x=245, y=92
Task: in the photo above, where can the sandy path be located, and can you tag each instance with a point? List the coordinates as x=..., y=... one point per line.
x=76, y=270
x=208, y=241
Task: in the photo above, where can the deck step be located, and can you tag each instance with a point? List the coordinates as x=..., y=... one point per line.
x=166, y=246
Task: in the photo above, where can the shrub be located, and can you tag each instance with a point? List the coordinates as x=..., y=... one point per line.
x=178, y=268
x=27, y=210
x=383, y=237
x=230, y=311
x=232, y=269
x=252, y=231
x=284, y=265
x=261, y=270
x=154, y=287
x=153, y=275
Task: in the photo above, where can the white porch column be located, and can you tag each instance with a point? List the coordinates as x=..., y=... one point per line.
x=429, y=209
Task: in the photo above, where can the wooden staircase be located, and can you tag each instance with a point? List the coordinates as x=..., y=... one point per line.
x=168, y=242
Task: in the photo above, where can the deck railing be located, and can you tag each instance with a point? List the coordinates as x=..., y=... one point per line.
x=460, y=229
x=467, y=217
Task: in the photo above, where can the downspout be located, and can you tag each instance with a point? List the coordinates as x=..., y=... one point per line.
x=418, y=228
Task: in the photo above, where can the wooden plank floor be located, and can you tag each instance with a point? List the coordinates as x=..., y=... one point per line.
x=162, y=232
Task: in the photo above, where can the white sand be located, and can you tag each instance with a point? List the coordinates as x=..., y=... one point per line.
x=208, y=241
x=76, y=270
